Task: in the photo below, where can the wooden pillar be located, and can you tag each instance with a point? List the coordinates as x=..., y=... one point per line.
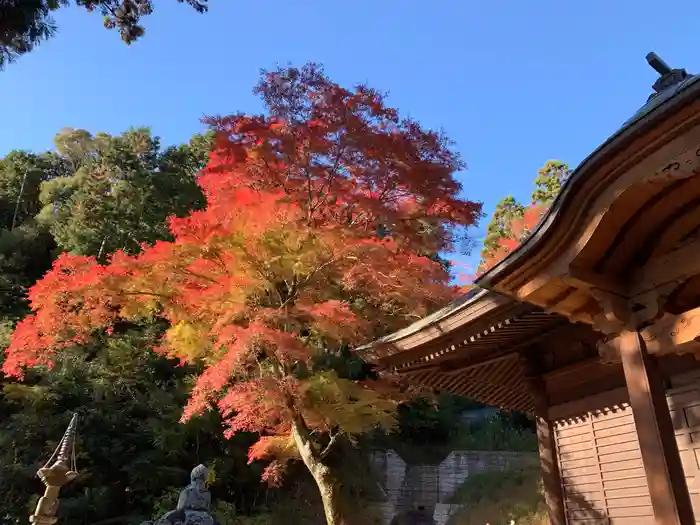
x=667, y=485
x=551, y=477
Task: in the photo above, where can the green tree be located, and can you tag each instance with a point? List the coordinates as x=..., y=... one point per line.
x=132, y=450
x=120, y=190
x=26, y=23
x=550, y=179
x=512, y=221
x=25, y=247
x=21, y=176
x=506, y=211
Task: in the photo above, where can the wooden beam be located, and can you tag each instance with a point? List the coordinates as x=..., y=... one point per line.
x=579, y=367
x=454, y=327
x=547, y=446
x=586, y=279
x=657, y=441
x=678, y=265
x=673, y=333
x=457, y=366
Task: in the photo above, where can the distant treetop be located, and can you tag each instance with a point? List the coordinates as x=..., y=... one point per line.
x=26, y=23
x=512, y=222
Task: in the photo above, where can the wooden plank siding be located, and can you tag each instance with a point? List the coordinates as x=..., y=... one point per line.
x=684, y=404
x=602, y=474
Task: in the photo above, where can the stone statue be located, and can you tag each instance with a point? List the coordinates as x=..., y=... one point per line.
x=192, y=505
x=195, y=496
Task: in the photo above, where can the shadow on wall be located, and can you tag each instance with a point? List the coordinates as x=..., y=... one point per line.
x=683, y=408
x=578, y=507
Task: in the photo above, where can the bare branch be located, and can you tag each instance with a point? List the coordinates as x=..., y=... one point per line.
x=327, y=449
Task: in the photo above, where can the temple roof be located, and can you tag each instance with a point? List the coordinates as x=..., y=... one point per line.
x=484, y=325
x=452, y=308
x=672, y=90
x=669, y=84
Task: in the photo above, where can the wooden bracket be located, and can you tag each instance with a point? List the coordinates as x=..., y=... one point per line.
x=608, y=351
x=622, y=314
x=616, y=313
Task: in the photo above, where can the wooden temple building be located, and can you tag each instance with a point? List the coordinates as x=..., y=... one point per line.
x=593, y=325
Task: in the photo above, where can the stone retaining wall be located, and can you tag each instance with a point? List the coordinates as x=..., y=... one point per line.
x=434, y=485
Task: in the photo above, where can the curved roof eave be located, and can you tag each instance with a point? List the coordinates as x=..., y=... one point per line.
x=656, y=109
x=470, y=298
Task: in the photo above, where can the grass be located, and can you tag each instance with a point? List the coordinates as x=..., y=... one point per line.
x=497, y=497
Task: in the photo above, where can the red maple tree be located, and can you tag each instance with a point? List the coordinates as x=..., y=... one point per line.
x=321, y=216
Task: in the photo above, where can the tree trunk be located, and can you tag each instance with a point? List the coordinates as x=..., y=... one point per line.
x=329, y=487
x=327, y=481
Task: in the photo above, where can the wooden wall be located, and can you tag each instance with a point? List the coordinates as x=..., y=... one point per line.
x=603, y=478
x=602, y=475
x=684, y=403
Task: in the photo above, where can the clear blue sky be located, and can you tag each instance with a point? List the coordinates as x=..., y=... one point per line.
x=514, y=83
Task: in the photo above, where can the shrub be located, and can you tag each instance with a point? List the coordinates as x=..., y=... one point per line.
x=497, y=497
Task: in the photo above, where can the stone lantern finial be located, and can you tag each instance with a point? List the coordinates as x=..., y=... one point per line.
x=59, y=470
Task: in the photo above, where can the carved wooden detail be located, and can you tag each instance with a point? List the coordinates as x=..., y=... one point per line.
x=662, y=332
x=674, y=333
x=615, y=315
x=620, y=313
x=670, y=334
x=681, y=166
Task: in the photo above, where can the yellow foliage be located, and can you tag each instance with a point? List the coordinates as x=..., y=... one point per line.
x=145, y=308
x=187, y=340
x=25, y=393
x=355, y=409
x=282, y=447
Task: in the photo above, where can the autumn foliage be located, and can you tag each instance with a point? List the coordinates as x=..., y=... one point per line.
x=520, y=228
x=321, y=216
x=512, y=222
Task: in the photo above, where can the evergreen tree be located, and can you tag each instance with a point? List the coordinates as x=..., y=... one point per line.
x=26, y=23
x=499, y=228
x=550, y=179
